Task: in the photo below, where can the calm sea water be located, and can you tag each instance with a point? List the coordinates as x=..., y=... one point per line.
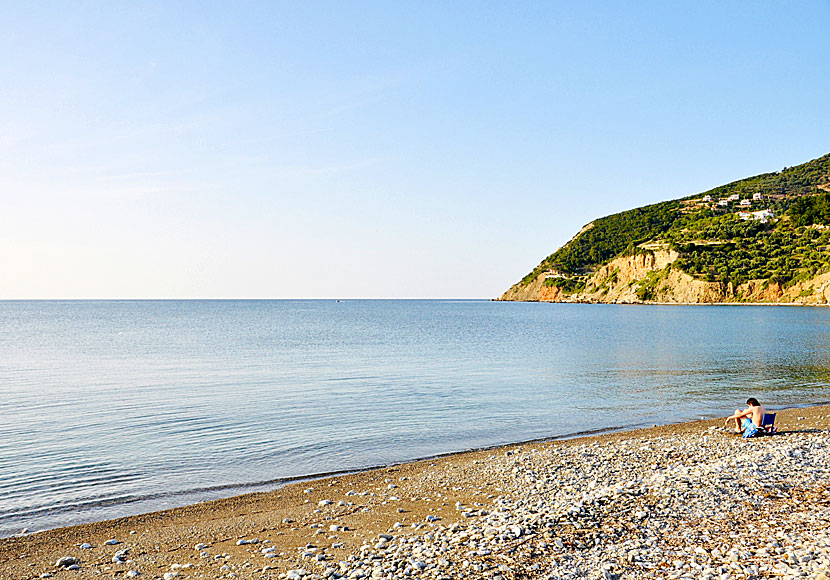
x=119, y=407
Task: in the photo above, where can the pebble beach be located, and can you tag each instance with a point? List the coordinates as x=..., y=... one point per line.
x=679, y=501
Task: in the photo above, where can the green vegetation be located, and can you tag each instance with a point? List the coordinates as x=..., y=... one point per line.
x=714, y=244
x=612, y=235
x=782, y=254
x=647, y=288
x=792, y=181
x=806, y=211
x=567, y=285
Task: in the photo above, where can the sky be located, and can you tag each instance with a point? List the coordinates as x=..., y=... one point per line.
x=374, y=149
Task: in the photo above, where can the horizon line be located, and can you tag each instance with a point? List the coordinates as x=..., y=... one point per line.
x=168, y=299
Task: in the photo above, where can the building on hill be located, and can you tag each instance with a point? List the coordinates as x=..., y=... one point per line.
x=745, y=202
x=723, y=202
x=757, y=196
x=707, y=198
x=762, y=216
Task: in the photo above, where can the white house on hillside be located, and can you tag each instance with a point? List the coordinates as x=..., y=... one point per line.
x=745, y=202
x=707, y=198
x=757, y=197
x=762, y=216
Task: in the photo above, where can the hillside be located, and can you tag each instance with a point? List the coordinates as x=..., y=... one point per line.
x=761, y=239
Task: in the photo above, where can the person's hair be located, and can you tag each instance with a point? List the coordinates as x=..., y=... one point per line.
x=753, y=402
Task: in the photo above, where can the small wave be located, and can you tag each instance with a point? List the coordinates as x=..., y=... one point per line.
x=21, y=514
x=64, y=477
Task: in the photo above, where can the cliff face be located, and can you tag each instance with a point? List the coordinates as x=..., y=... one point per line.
x=650, y=278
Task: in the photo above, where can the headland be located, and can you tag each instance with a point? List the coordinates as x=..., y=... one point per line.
x=764, y=239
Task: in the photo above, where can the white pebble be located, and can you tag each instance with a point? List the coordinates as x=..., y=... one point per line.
x=66, y=561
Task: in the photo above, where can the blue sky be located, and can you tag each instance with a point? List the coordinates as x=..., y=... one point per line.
x=374, y=149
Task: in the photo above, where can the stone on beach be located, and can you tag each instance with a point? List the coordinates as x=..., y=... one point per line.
x=67, y=561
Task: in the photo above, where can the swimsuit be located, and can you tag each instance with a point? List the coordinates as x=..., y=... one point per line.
x=750, y=430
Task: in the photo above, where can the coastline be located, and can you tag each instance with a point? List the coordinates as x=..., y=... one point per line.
x=268, y=486
x=658, y=303
x=456, y=501
x=272, y=485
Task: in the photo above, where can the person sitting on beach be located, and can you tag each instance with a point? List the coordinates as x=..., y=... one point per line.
x=749, y=420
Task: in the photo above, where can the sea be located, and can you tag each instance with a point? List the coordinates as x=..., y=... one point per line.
x=112, y=408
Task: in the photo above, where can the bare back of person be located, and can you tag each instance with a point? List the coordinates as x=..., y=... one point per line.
x=757, y=415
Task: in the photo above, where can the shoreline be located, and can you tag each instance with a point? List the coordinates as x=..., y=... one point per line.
x=243, y=489
x=345, y=518
x=269, y=486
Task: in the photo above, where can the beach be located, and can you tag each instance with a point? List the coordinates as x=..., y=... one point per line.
x=678, y=501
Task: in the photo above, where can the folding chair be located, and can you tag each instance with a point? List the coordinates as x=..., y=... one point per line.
x=768, y=424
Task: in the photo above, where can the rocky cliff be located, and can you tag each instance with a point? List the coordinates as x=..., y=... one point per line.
x=650, y=278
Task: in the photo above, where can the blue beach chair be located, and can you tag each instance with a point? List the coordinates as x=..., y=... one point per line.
x=768, y=424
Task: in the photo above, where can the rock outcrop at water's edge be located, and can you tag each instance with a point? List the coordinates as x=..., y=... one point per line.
x=650, y=278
